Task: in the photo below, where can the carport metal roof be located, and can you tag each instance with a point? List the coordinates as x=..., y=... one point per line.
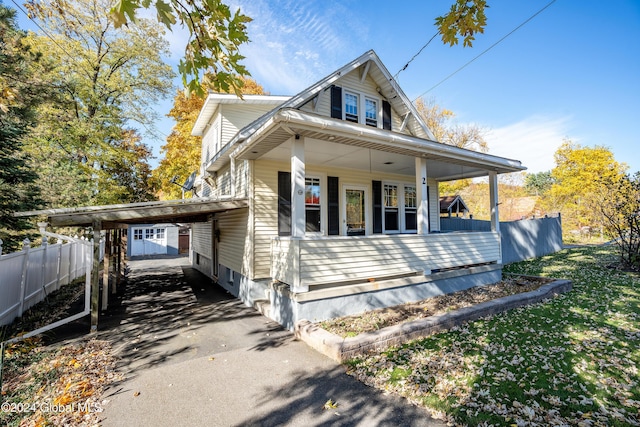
x=114, y=216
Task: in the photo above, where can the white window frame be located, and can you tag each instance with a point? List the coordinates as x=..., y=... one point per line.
x=160, y=233
x=362, y=107
x=137, y=234
x=401, y=208
x=322, y=205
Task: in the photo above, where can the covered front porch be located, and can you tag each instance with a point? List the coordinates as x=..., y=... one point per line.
x=361, y=204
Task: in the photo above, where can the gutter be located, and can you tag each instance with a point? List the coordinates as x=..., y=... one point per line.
x=249, y=137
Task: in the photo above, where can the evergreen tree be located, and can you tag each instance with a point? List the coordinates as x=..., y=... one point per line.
x=18, y=97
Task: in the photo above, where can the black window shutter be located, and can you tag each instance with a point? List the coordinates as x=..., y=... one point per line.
x=336, y=102
x=386, y=115
x=333, y=206
x=284, y=203
x=377, y=206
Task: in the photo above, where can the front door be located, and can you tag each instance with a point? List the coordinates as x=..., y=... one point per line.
x=355, y=211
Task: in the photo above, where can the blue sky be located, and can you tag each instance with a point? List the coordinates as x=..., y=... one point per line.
x=572, y=72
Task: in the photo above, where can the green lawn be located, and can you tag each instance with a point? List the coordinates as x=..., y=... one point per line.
x=573, y=360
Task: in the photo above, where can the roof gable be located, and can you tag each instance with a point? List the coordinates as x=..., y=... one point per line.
x=367, y=67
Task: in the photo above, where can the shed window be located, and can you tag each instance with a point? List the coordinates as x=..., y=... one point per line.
x=137, y=234
x=148, y=233
x=160, y=233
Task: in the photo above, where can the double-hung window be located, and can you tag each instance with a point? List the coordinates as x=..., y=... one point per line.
x=391, y=214
x=351, y=101
x=312, y=205
x=371, y=112
x=410, y=208
x=400, y=208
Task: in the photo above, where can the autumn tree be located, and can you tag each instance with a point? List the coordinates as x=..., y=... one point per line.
x=577, y=178
x=107, y=80
x=182, y=150
x=618, y=204
x=441, y=123
x=19, y=94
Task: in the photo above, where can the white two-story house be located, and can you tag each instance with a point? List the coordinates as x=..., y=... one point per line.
x=336, y=206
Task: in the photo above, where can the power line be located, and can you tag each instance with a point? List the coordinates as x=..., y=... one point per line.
x=486, y=50
x=415, y=56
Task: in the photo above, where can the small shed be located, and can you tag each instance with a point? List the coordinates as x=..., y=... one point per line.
x=453, y=205
x=152, y=239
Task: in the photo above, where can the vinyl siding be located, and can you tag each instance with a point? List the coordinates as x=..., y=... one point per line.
x=266, y=201
x=352, y=82
x=337, y=259
x=201, y=238
x=234, y=248
x=236, y=116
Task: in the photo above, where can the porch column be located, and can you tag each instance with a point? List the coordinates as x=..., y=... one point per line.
x=297, y=187
x=493, y=201
x=422, y=196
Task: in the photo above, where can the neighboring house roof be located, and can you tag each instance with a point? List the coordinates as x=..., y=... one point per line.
x=286, y=119
x=450, y=204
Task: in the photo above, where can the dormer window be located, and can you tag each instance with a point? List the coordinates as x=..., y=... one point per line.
x=349, y=105
x=351, y=101
x=371, y=112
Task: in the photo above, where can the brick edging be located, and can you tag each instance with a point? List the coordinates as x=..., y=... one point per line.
x=342, y=349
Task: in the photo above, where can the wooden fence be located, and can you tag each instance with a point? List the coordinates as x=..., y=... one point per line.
x=28, y=276
x=520, y=240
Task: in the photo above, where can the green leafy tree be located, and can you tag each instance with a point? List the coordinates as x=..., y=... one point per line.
x=106, y=79
x=216, y=35
x=465, y=19
x=18, y=98
x=538, y=183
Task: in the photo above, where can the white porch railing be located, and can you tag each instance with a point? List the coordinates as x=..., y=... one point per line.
x=26, y=277
x=320, y=260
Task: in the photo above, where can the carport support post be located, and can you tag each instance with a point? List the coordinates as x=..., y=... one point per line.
x=105, y=270
x=116, y=260
x=95, y=276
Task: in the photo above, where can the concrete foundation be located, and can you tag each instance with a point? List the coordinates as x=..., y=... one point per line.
x=287, y=308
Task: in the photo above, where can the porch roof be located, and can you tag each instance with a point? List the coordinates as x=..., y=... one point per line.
x=445, y=162
x=112, y=216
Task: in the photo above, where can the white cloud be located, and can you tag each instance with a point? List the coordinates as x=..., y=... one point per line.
x=533, y=141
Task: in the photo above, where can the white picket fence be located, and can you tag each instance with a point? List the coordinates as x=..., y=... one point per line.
x=28, y=276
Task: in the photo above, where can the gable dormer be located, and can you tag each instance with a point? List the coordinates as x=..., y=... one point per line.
x=363, y=92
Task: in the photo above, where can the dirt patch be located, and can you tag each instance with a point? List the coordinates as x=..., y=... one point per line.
x=373, y=320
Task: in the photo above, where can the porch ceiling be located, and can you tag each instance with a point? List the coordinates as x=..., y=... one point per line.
x=341, y=144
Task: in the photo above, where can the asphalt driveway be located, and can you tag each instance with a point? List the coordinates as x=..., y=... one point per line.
x=195, y=356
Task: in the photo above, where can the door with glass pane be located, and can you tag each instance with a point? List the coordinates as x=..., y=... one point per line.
x=354, y=214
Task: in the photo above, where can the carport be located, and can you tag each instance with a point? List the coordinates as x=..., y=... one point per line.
x=112, y=219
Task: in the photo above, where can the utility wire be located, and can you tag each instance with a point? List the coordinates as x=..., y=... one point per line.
x=486, y=50
x=416, y=55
